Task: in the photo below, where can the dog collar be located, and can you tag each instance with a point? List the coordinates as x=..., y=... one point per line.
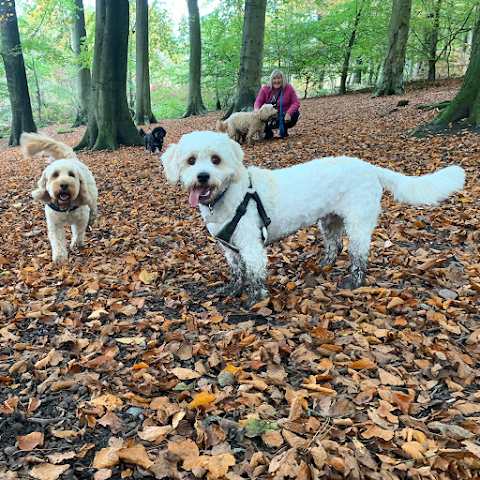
x=225, y=233
x=211, y=205
x=64, y=210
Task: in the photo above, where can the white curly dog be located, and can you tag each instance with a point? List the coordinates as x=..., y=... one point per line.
x=248, y=123
x=68, y=189
x=340, y=193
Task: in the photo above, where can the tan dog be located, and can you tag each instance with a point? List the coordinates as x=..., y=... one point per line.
x=68, y=189
x=247, y=123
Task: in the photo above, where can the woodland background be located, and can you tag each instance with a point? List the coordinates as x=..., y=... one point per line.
x=123, y=363
x=308, y=39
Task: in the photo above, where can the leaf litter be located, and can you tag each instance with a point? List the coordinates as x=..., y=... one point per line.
x=124, y=363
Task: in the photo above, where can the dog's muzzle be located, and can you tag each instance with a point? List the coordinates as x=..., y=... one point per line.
x=202, y=191
x=63, y=195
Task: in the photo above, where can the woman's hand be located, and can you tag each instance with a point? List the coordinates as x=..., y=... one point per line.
x=287, y=117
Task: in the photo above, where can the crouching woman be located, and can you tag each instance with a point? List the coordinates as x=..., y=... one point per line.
x=283, y=97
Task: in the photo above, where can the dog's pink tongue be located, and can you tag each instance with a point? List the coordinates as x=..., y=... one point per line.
x=195, y=195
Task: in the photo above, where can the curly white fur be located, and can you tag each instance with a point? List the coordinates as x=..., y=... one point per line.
x=247, y=123
x=65, y=184
x=340, y=193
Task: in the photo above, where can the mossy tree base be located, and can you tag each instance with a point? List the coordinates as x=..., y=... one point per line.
x=110, y=122
x=457, y=128
x=463, y=112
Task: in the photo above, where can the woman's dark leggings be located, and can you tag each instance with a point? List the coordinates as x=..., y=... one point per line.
x=269, y=128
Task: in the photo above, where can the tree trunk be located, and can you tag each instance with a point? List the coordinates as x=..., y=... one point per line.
x=143, y=111
x=348, y=53
x=251, y=56
x=195, y=102
x=37, y=91
x=22, y=117
x=110, y=123
x=84, y=85
x=433, y=42
x=464, y=110
x=391, y=81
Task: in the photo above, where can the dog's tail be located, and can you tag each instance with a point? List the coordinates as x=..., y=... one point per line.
x=32, y=143
x=142, y=133
x=221, y=126
x=426, y=190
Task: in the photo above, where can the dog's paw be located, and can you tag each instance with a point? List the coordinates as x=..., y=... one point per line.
x=255, y=297
x=230, y=290
x=59, y=261
x=77, y=245
x=350, y=284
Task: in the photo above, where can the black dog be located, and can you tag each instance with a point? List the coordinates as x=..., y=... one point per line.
x=153, y=140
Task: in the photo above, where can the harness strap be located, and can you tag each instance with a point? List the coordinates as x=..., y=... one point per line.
x=225, y=233
x=281, y=128
x=261, y=211
x=64, y=210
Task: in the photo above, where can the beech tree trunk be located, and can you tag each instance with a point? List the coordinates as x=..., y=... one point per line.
x=110, y=123
x=348, y=53
x=22, y=117
x=251, y=56
x=195, y=102
x=84, y=85
x=464, y=110
x=143, y=110
x=391, y=81
x=432, y=42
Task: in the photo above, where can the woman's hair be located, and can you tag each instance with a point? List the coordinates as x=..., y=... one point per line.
x=276, y=72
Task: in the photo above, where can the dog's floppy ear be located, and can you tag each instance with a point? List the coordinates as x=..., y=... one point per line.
x=41, y=194
x=84, y=195
x=170, y=164
x=160, y=133
x=237, y=157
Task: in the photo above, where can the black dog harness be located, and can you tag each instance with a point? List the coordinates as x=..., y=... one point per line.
x=225, y=234
x=64, y=210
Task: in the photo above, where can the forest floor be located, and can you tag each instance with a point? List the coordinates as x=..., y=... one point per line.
x=124, y=363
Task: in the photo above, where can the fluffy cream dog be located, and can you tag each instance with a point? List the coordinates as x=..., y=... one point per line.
x=67, y=188
x=247, y=123
x=340, y=193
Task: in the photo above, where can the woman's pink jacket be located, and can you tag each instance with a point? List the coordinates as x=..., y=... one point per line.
x=291, y=103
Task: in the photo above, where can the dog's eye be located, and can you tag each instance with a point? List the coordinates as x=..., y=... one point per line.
x=192, y=160
x=216, y=160
x=71, y=174
x=55, y=174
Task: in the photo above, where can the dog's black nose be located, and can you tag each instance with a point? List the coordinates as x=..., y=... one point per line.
x=203, y=177
x=64, y=186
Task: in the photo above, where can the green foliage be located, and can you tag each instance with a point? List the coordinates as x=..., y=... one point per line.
x=456, y=19
x=45, y=33
x=308, y=39
x=221, y=45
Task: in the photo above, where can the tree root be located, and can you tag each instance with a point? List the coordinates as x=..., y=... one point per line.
x=447, y=128
x=439, y=106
